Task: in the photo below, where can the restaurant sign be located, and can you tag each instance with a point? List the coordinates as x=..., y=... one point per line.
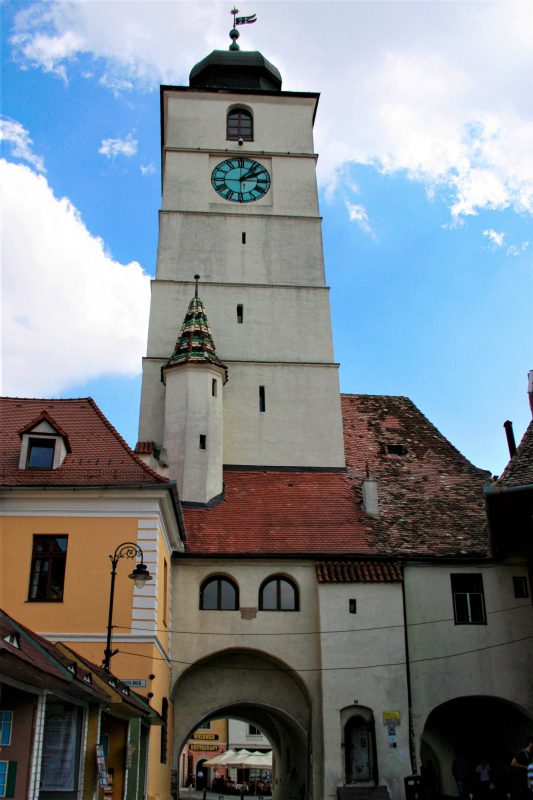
x=193, y=746
x=206, y=736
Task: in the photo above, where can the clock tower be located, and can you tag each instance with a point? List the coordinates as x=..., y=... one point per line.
x=240, y=209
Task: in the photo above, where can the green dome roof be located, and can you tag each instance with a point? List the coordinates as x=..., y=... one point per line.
x=235, y=69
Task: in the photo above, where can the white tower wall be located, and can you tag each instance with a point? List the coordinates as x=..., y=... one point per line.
x=192, y=410
x=265, y=256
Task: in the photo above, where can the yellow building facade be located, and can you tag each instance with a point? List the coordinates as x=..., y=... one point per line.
x=73, y=496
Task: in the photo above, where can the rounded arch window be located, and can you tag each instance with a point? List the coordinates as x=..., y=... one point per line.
x=239, y=125
x=219, y=594
x=278, y=594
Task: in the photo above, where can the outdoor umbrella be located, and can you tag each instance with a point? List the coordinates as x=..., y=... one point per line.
x=259, y=760
x=221, y=759
x=238, y=760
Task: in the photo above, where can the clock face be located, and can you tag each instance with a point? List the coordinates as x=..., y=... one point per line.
x=240, y=180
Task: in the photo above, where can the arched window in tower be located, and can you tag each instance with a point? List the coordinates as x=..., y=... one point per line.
x=278, y=594
x=239, y=125
x=219, y=593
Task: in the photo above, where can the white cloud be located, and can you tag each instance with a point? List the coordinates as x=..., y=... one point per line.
x=498, y=240
x=517, y=249
x=437, y=91
x=111, y=148
x=494, y=237
x=20, y=142
x=358, y=214
x=70, y=312
x=147, y=169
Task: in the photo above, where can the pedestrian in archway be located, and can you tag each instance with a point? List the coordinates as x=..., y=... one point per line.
x=462, y=772
x=483, y=779
x=520, y=764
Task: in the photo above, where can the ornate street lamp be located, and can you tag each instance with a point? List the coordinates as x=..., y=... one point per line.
x=140, y=576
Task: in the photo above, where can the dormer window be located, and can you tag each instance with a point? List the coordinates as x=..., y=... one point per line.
x=40, y=453
x=396, y=450
x=44, y=444
x=12, y=639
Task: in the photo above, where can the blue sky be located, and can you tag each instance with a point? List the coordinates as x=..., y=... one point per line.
x=424, y=131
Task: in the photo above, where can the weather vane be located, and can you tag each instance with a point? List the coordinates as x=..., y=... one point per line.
x=234, y=33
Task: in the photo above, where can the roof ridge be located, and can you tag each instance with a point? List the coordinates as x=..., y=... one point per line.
x=125, y=445
x=44, y=399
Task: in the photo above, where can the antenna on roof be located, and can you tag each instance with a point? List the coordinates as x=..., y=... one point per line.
x=234, y=33
x=196, y=278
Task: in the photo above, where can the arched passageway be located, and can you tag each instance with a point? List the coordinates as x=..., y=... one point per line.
x=473, y=728
x=257, y=689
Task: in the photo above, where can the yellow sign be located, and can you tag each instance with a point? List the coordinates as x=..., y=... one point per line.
x=391, y=717
x=193, y=746
x=207, y=736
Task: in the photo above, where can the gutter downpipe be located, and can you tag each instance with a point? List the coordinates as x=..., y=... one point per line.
x=412, y=744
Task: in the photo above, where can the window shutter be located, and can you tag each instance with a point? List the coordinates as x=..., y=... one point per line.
x=11, y=778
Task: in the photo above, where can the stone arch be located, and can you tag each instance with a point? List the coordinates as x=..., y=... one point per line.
x=474, y=727
x=256, y=688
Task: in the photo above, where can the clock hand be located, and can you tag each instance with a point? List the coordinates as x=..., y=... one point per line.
x=249, y=175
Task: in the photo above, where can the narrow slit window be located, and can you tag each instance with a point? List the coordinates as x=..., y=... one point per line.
x=240, y=314
x=262, y=400
x=244, y=237
x=203, y=441
x=352, y=605
x=214, y=388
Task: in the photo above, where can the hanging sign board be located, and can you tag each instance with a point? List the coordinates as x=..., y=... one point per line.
x=199, y=746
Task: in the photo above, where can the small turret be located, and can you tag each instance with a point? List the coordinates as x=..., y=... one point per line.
x=193, y=430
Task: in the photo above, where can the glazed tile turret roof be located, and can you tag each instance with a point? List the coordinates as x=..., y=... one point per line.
x=195, y=342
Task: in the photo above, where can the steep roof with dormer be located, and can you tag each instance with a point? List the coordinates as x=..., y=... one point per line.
x=97, y=454
x=195, y=342
x=431, y=499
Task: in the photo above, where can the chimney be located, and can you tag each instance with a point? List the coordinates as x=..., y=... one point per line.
x=530, y=389
x=370, y=497
x=511, y=444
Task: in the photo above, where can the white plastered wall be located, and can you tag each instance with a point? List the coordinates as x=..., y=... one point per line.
x=351, y=675
x=450, y=661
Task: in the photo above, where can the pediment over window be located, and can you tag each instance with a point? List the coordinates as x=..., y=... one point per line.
x=44, y=444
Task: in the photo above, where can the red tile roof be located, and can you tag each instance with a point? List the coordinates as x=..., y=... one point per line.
x=275, y=512
x=358, y=572
x=519, y=470
x=144, y=448
x=98, y=454
x=45, y=417
x=431, y=497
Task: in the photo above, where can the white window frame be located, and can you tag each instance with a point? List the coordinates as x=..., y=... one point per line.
x=10, y=717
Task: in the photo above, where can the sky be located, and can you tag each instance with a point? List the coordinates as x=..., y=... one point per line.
x=424, y=133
